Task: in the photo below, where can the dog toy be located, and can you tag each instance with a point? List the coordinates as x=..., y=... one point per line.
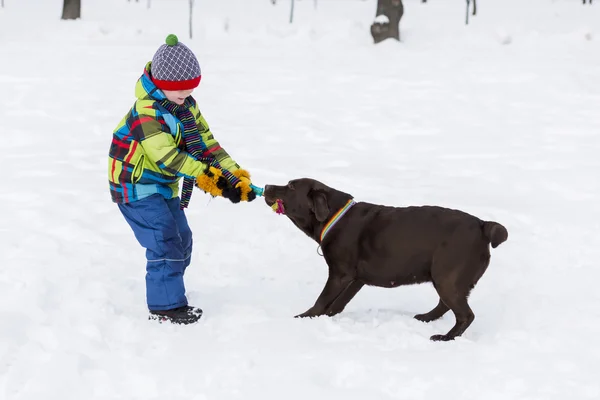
x=259, y=191
x=277, y=206
x=234, y=186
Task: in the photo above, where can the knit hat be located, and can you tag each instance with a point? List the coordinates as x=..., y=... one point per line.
x=174, y=66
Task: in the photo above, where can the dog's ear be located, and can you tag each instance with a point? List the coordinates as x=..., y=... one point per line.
x=317, y=202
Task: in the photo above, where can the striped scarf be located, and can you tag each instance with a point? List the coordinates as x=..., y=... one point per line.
x=194, y=146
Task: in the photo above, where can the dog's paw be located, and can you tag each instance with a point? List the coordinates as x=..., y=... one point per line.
x=424, y=318
x=441, y=338
x=309, y=314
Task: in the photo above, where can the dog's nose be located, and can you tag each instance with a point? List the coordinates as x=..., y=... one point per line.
x=268, y=194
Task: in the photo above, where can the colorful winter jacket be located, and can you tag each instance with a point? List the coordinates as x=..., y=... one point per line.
x=147, y=154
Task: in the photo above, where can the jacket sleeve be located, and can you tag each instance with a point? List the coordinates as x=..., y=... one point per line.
x=160, y=147
x=213, y=147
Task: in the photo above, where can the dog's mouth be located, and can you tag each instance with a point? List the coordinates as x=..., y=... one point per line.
x=270, y=194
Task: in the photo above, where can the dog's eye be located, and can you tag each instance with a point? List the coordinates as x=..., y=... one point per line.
x=290, y=186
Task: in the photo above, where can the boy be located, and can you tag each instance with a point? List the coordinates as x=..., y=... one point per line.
x=162, y=139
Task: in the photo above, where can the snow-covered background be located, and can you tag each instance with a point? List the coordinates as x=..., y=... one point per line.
x=500, y=119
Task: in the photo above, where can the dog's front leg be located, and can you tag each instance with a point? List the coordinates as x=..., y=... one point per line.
x=335, y=285
x=339, y=303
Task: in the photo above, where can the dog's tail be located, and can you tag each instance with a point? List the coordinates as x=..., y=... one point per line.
x=495, y=233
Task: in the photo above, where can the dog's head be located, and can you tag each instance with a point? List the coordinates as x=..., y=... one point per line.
x=308, y=203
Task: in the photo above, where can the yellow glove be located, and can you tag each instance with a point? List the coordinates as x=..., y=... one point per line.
x=246, y=192
x=211, y=181
x=242, y=175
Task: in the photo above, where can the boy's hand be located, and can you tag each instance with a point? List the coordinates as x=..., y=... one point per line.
x=212, y=181
x=243, y=175
x=246, y=191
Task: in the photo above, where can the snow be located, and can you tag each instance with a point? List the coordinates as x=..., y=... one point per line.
x=499, y=119
x=382, y=19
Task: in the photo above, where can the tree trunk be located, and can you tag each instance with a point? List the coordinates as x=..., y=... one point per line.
x=191, y=10
x=474, y=9
x=386, y=28
x=467, y=18
x=71, y=9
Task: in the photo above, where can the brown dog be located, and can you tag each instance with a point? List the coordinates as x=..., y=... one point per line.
x=368, y=244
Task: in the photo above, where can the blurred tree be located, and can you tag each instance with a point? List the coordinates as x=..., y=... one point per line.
x=191, y=10
x=590, y=1
x=474, y=7
x=387, y=20
x=71, y=9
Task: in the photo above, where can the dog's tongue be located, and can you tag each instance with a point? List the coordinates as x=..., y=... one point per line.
x=278, y=207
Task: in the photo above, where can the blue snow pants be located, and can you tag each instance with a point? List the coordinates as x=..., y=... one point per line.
x=162, y=229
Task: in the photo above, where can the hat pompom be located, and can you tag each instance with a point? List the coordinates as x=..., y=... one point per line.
x=171, y=40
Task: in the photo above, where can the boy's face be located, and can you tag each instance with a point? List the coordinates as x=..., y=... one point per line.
x=177, y=96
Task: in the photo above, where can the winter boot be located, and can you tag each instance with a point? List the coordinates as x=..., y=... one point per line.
x=183, y=315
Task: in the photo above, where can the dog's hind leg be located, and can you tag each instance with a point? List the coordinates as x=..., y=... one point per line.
x=454, y=289
x=340, y=302
x=434, y=314
x=456, y=300
x=455, y=271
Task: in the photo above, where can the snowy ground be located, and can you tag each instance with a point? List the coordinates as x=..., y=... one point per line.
x=499, y=119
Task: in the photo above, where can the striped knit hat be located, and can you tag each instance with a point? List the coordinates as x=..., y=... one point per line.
x=174, y=66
